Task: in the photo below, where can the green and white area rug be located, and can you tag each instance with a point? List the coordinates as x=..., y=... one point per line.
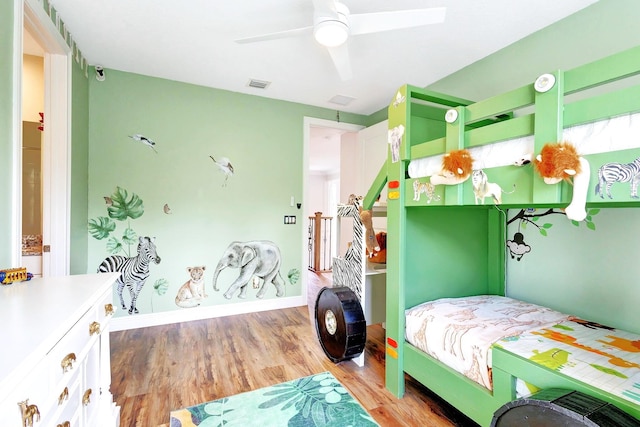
x=317, y=400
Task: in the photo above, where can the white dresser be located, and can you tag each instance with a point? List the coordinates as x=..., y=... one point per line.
x=54, y=336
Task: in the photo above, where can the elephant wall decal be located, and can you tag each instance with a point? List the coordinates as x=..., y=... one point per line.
x=257, y=258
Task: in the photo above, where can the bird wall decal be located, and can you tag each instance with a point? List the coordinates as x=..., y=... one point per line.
x=144, y=140
x=224, y=164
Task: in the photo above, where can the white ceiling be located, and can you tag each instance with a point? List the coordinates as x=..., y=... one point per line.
x=194, y=41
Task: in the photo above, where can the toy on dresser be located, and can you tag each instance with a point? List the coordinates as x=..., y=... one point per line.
x=10, y=275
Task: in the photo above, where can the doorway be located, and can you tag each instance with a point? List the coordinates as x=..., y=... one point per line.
x=55, y=159
x=325, y=143
x=32, y=131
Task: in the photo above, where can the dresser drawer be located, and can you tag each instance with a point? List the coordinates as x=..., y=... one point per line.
x=34, y=389
x=66, y=408
x=67, y=355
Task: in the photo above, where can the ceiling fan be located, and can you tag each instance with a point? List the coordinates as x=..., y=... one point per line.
x=333, y=24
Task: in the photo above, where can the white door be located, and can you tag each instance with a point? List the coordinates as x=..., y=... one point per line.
x=374, y=146
x=56, y=143
x=361, y=156
x=373, y=143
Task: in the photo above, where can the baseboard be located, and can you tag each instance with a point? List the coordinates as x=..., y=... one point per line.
x=176, y=316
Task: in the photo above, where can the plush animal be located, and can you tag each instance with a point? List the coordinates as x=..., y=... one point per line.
x=560, y=161
x=557, y=162
x=369, y=233
x=456, y=168
x=379, y=256
x=354, y=200
x=524, y=160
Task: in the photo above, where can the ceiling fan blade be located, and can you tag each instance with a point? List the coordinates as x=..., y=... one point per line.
x=277, y=35
x=365, y=23
x=340, y=57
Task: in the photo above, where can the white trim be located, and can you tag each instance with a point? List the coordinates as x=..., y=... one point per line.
x=56, y=152
x=55, y=165
x=16, y=137
x=200, y=313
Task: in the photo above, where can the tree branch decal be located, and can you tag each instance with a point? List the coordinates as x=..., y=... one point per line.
x=531, y=216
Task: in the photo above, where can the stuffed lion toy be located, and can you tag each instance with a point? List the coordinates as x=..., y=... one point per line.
x=561, y=161
x=557, y=162
x=456, y=168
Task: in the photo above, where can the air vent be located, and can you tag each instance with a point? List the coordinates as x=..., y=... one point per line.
x=258, y=84
x=341, y=100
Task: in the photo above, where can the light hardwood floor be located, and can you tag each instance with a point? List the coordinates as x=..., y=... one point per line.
x=158, y=369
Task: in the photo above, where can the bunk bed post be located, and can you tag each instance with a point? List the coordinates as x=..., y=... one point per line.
x=397, y=160
x=454, y=140
x=496, y=250
x=548, y=126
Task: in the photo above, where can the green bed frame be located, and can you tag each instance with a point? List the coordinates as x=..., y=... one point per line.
x=452, y=247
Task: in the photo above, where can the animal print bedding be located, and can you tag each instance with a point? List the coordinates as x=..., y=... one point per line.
x=459, y=332
x=601, y=356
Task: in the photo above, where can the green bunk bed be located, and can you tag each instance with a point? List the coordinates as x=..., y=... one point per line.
x=443, y=242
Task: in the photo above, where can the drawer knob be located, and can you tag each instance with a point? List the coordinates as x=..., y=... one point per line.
x=108, y=309
x=86, y=397
x=63, y=396
x=64, y=424
x=94, y=328
x=67, y=362
x=29, y=412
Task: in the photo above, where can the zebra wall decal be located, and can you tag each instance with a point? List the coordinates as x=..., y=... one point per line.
x=134, y=271
x=609, y=173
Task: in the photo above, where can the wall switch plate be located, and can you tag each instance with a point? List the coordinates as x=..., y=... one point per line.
x=289, y=219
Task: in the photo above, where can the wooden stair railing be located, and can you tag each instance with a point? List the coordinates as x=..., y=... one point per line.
x=320, y=243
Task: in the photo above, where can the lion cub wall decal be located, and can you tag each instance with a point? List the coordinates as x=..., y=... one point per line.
x=483, y=188
x=192, y=292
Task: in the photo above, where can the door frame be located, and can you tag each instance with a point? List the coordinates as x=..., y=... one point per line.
x=308, y=123
x=56, y=153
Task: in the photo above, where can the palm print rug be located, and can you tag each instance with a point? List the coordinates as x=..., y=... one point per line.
x=317, y=400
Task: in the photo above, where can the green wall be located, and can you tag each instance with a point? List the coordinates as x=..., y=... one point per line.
x=6, y=125
x=586, y=272
x=263, y=139
x=604, y=28
x=79, y=170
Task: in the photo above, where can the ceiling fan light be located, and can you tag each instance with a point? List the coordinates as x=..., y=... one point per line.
x=331, y=33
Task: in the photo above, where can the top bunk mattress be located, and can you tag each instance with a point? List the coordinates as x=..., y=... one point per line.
x=614, y=134
x=459, y=332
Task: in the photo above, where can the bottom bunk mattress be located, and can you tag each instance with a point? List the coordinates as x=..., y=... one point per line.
x=594, y=354
x=459, y=332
